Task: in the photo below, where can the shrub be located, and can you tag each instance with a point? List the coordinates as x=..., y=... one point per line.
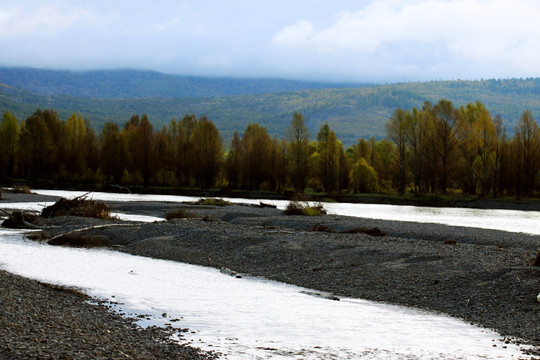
x=297, y=208
x=314, y=210
x=294, y=208
x=214, y=202
x=179, y=214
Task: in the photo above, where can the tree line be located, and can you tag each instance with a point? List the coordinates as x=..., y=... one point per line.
x=439, y=148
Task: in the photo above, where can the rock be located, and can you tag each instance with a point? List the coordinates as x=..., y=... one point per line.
x=230, y=272
x=375, y=231
x=321, y=227
x=536, y=261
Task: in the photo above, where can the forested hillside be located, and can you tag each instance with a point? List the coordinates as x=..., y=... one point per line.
x=352, y=112
x=142, y=84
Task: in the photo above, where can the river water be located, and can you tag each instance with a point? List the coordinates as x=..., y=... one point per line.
x=506, y=220
x=249, y=318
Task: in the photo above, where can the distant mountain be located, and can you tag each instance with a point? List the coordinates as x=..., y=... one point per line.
x=113, y=84
x=351, y=112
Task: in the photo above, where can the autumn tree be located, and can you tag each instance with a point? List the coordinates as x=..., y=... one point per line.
x=527, y=143
x=418, y=133
x=208, y=151
x=500, y=154
x=396, y=131
x=364, y=177
x=363, y=149
x=445, y=141
x=298, y=151
x=56, y=152
x=278, y=164
x=113, y=154
x=327, y=158
x=130, y=132
x=163, y=157
x=256, y=156
x=9, y=137
x=185, y=158
x=147, y=149
x=484, y=144
x=36, y=146
x=78, y=145
x=233, y=161
x=344, y=169
x=384, y=159
x=465, y=136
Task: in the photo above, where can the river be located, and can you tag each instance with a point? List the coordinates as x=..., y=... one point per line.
x=506, y=220
x=248, y=318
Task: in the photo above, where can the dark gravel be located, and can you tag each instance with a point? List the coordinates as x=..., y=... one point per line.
x=41, y=321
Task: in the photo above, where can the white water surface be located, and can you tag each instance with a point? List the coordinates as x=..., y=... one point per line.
x=506, y=220
x=251, y=318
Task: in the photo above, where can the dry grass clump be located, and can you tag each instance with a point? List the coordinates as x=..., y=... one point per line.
x=297, y=208
x=78, y=207
x=21, y=189
x=180, y=214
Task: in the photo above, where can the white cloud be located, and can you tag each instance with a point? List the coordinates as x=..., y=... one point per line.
x=40, y=21
x=363, y=40
x=475, y=31
x=296, y=35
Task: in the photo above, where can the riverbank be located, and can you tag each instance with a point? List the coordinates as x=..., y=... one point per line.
x=482, y=276
x=41, y=321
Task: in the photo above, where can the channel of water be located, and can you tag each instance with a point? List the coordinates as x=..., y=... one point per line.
x=248, y=318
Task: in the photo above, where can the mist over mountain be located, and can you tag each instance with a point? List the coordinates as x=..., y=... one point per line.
x=353, y=113
x=128, y=83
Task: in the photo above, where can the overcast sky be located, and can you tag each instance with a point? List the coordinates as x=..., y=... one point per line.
x=336, y=40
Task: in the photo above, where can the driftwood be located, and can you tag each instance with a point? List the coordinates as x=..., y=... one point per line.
x=88, y=228
x=368, y=231
x=264, y=205
x=78, y=206
x=21, y=220
x=6, y=212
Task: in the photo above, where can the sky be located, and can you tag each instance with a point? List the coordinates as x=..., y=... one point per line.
x=338, y=40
